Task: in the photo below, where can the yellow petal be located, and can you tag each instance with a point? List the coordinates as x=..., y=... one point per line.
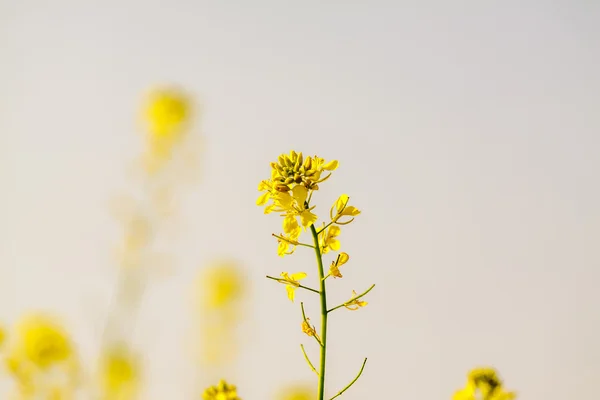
x=300, y=193
x=331, y=165
x=344, y=257
x=290, y=292
x=262, y=200
x=290, y=224
x=307, y=218
x=334, y=244
x=299, y=276
x=334, y=231
x=341, y=202
x=351, y=210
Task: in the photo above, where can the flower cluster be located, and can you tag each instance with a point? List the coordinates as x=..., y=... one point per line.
x=484, y=384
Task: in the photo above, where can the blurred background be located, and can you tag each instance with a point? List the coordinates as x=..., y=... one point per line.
x=467, y=133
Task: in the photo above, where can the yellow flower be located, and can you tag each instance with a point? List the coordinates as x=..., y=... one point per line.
x=41, y=341
x=334, y=269
x=167, y=115
x=328, y=241
x=309, y=330
x=167, y=111
x=297, y=392
x=285, y=242
x=119, y=373
x=221, y=284
x=354, y=304
x=2, y=335
x=292, y=282
x=483, y=383
x=293, y=169
x=222, y=391
x=341, y=208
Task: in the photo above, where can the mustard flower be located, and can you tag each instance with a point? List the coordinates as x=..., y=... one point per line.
x=334, y=269
x=308, y=329
x=484, y=384
x=354, y=304
x=297, y=392
x=41, y=341
x=119, y=373
x=222, y=391
x=221, y=284
x=167, y=115
x=292, y=282
x=341, y=208
x=328, y=240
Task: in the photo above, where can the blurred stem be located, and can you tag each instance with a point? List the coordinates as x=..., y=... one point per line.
x=323, y=295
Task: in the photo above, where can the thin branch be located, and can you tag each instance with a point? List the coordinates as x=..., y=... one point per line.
x=351, y=383
x=312, y=367
x=351, y=300
x=288, y=283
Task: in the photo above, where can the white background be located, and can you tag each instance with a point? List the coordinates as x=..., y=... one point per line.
x=467, y=132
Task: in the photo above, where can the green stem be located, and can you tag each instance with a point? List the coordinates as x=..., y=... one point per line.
x=323, y=294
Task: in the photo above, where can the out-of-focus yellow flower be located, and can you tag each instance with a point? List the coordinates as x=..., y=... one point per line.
x=41, y=341
x=328, y=239
x=221, y=284
x=292, y=282
x=341, y=208
x=484, y=384
x=354, y=304
x=334, y=269
x=308, y=329
x=2, y=335
x=222, y=391
x=297, y=392
x=168, y=114
x=119, y=374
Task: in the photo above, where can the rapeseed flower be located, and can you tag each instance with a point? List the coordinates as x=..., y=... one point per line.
x=297, y=392
x=222, y=391
x=329, y=240
x=292, y=282
x=483, y=384
x=354, y=303
x=119, y=373
x=334, y=269
x=221, y=284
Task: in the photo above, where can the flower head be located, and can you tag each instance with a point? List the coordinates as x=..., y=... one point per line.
x=291, y=282
x=483, y=383
x=222, y=391
x=354, y=303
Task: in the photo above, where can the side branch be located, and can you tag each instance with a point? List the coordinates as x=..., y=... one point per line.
x=351, y=383
x=312, y=367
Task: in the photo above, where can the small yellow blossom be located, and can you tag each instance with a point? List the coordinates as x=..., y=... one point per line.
x=354, y=304
x=285, y=242
x=41, y=341
x=297, y=392
x=292, y=282
x=341, y=208
x=308, y=329
x=334, y=269
x=222, y=391
x=484, y=384
x=328, y=240
x=2, y=335
x=221, y=284
x=119, y=373
x=167, y=115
